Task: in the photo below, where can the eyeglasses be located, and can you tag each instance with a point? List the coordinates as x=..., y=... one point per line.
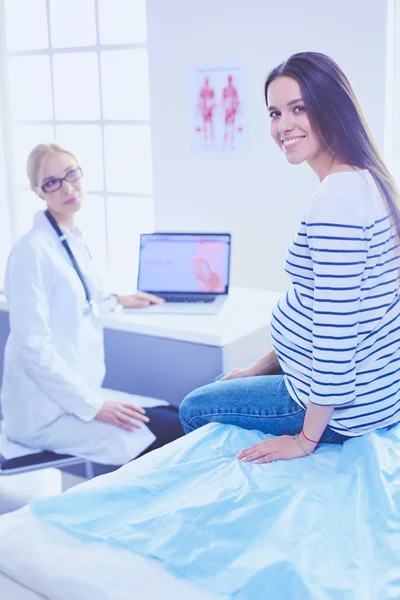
x=55, y=183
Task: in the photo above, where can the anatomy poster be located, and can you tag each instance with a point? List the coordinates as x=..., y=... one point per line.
x=218, y=111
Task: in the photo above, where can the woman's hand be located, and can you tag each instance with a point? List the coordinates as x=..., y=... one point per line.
x=138, y=300
x=267, y=365
x=250, y=371
x=122, y=414
x=283, y=447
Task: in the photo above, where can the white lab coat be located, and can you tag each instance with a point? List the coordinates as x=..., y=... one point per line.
x=54, y=356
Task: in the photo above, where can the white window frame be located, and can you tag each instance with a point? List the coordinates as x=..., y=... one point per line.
x=6, y=121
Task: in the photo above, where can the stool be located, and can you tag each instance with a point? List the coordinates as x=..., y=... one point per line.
x=16, y=458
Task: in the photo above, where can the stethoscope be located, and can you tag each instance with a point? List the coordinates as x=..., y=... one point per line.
x=91, y=306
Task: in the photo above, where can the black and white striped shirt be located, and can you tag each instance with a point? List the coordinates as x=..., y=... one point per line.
x=336, y=332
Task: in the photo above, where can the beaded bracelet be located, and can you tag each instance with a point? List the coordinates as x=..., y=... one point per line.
x=298, y=442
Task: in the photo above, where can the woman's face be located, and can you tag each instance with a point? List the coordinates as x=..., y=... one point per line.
x=290, y=126
x=68, y=198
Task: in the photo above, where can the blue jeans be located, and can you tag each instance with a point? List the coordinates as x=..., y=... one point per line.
x=261, y=402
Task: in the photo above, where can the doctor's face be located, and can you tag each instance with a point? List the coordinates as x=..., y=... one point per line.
x=60, y=184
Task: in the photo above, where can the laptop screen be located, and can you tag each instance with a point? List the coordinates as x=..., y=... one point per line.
x=184, y=262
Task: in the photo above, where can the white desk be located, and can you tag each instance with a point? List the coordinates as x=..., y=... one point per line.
x=166, y=356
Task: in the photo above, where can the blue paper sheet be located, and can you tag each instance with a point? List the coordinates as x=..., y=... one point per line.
x=323, y=527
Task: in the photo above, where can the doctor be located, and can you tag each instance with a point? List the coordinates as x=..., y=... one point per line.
x=54, y=358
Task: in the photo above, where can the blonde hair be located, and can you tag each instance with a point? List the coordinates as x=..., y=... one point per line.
x=36, y=160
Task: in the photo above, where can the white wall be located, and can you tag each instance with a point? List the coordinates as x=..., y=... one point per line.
x=258, y=197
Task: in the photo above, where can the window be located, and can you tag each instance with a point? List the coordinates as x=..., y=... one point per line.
x=77, y=73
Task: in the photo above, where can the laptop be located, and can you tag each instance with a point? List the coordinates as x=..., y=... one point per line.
x=189, y=270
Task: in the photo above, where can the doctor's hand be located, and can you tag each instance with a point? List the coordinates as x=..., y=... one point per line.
x=122, y=414
x=283, y=447
x=138, y=300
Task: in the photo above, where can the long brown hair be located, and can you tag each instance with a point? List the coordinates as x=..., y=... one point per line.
x=338, y=119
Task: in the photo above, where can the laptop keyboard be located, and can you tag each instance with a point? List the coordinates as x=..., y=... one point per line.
x=190, y=298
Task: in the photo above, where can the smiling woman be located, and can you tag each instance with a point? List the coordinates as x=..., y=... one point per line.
x=333, y=373
x=290, y=125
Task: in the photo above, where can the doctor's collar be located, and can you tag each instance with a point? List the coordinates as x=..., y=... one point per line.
x=40, y=220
